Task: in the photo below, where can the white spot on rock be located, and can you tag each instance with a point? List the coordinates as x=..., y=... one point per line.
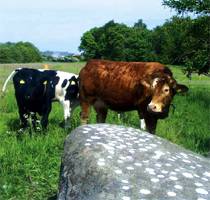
x=158, y=165
x=154, y=180
x=164, y=172
x=138, y=164
x=126, y=198
x=171, y=194
x=89, y=140
x=179, y=187
x=95, y=137
x=101, y=163
x=187, y=175
x=205, y=179
x=186, y=161
x=201, y=191
x=173, y=178
x=161, y=176
x=118, y=171
x=129, y=168
x=125, y=187
x=158, y=154
x=124, y=181
x=206, y=174
x=145, y=191
x=198, y=184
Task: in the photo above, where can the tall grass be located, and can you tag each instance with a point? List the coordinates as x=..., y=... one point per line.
x=29, y=166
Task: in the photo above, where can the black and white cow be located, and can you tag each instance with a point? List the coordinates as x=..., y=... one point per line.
x=35, y=89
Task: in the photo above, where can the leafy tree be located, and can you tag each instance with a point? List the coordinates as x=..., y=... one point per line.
x=20, y=52
x=194, y=6
x=168, y=40
x=117, y=42
x=140, y=24
x=197, y=45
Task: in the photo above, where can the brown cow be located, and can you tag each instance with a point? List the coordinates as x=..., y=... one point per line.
x=147, y=87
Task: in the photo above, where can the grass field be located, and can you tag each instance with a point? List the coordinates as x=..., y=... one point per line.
x=29, y=167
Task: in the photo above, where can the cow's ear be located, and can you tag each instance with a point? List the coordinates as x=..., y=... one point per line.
x=179, y=88
x=45, y=82
x=73, y=81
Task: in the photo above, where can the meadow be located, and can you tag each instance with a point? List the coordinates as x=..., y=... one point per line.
x=29, y=166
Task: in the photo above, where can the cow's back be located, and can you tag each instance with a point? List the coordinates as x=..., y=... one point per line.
x=118, y=84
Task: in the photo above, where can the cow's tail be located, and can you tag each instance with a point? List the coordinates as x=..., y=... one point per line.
x=9, y=77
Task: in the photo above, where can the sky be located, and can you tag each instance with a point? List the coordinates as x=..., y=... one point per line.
x=58, y=25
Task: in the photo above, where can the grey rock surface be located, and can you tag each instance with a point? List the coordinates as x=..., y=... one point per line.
x=109, y=162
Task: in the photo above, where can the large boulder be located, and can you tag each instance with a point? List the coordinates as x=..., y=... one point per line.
x=109, y=162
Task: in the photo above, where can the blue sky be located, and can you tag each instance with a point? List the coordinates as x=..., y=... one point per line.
x=59, y=24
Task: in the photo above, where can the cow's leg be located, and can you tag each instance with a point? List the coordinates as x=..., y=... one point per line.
x=84, y=112
x=101, y=111
x=23, y=118
x=141, y=121
x=151, y=123
x=44, y=119
x=67, y=112
x=35, y=122
x=142, y=124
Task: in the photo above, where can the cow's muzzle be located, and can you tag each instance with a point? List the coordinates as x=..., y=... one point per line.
x=158, y=110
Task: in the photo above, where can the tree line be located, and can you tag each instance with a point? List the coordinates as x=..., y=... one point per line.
x=20, y=52
x=179, y=41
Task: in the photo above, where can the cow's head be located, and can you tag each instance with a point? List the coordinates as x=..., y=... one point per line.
x=36, y=88
x=73, y=88
x=163, y=87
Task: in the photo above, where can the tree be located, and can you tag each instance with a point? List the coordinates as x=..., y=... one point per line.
x=20, y=52
x=193, y=6
x=117, y=42
x=197, y=45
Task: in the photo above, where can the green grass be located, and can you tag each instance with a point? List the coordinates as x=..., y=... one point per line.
x=29, y=166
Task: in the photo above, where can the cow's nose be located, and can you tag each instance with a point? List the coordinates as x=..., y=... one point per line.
x=154, y=107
